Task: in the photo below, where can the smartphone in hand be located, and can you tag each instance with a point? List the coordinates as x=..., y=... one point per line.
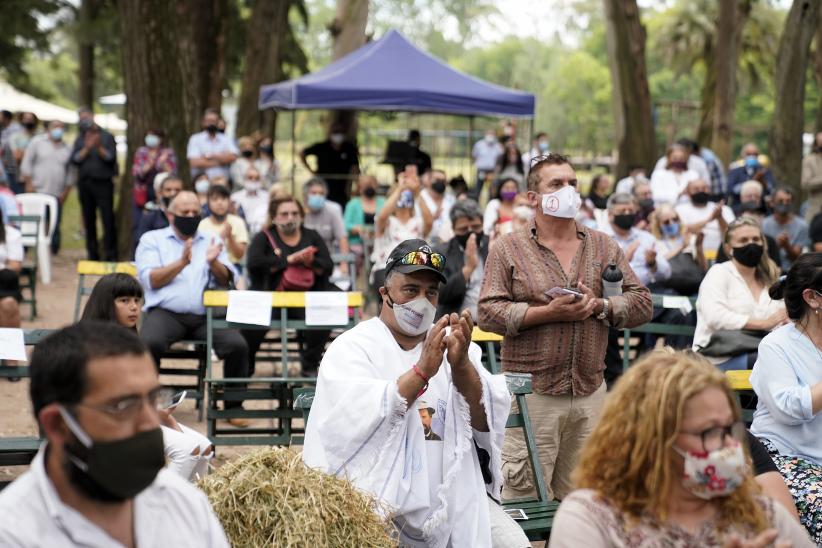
x=556, y=292
x=175, y=400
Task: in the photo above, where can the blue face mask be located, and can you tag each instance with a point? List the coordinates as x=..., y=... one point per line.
x=316, y=202
x=670, y=230
x=57, y=133
x=751, y=162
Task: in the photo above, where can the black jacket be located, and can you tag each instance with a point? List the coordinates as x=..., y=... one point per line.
x=265, y=268
x=453, y=292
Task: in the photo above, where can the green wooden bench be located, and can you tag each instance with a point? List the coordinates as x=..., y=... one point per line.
x=539, y=510
x=89, y=272
x=30, y=230
x=654, y=328
x=18, y=451
x=276, y=390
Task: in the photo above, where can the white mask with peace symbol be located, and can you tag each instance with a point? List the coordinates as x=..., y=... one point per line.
x=564, y=203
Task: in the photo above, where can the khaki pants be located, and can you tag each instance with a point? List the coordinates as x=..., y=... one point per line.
x=561, y=424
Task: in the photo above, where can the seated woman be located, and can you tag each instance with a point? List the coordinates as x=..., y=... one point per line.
x=667, y=465
x=286, y=256
x=733, y=295
x=117, y=298
x=787, y=378
x=360, y=213
x=499, y=213
x=682, y=248
x=11, y=261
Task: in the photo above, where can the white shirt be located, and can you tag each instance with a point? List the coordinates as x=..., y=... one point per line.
x=361, y=428
x=486, y=154
x=638, y=263
x=689, y=214
x=667, y=186
x=12, y=249
x=203, y=144
x=255, y=208
x=725, y=302
x=170, y=512
x=395, y=233
x=695, y=163
x=441, y=230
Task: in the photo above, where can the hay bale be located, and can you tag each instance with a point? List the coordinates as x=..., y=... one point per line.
x=270, y=498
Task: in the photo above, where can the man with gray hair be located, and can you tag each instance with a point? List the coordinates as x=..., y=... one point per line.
x=465, y=256
x=174, y=265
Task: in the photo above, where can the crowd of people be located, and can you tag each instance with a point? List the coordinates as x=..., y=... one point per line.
x=655, y=452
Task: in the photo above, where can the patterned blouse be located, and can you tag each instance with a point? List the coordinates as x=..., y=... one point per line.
x=563, y=357
x=585, y=519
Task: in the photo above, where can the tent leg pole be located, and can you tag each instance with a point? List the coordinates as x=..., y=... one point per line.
x=468, y=144
x=293, y=152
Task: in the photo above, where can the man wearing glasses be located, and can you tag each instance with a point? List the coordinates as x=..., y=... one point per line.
x=438, y=489
x=98, y=478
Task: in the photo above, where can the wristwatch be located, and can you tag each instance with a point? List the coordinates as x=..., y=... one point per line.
x=604, y=314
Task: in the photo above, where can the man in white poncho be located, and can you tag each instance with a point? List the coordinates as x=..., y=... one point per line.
x=441, y=480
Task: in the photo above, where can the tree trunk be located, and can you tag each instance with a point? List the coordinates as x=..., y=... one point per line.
x=207, y=24
x=732, y=19
x=817, y=70
x=348, y=31
x=789, y=89
x=633, y=123
x=85, y=53
x=263, y=64
x=163, y=83
x=705, y=132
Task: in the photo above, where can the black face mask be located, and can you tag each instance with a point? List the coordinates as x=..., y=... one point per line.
x=782, y=209
x=248, y=153
x=84, y=124
x=30, y=125
x=212, y=129
x=700, y=198
x=647, y=204
x=751, y=206
x=98, y=469
x=748, y=255
x=219, y=218
x=267, y=150
x=463, y=238
x=187, y=225
x=369, y=192
x=625, y=221
x=166, y=201
x=438, y=187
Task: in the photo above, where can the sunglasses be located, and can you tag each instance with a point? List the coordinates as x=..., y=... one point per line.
x=423, y=258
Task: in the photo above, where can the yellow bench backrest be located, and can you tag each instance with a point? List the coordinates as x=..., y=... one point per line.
x=739, y=380
x=99, y=268
x=279, y=299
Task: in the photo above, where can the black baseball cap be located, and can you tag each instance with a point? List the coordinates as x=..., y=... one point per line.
x=413, y=256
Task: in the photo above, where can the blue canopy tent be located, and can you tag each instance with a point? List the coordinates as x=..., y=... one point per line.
x=392, y=74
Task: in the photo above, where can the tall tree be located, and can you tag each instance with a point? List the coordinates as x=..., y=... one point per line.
x=785, y=140
x=85, y=52
x=166, y=83
x=817, y=70
x=20, y=32
x=271, y=48
x=348, y=31
x=633, y=124
x=731, y=21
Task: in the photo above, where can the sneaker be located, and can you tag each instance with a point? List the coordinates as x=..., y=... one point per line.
x=239, y=423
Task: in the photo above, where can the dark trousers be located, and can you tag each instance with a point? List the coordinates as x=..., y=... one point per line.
x=312, y=344
x=98, y=194
x=161, y=328
x=55, y=238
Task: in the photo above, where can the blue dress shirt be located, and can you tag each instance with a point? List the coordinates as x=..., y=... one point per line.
x=184, y=294
x=646, y=242
x=788, y=364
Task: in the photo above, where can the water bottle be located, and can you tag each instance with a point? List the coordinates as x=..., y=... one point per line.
x=611, y=281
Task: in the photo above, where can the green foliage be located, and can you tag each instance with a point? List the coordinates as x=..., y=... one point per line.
x=23, y=28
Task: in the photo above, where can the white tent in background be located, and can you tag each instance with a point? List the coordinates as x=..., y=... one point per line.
x=17, y=101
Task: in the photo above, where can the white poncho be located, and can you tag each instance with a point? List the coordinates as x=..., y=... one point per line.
x=360, y=429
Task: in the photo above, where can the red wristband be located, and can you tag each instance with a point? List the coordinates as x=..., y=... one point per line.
x=423, y=377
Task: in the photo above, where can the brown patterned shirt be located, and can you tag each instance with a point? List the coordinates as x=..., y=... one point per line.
x=563, y=357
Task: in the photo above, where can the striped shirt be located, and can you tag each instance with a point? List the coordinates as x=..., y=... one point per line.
x=563, y=357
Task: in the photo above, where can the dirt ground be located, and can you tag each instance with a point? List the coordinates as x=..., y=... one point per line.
x=55, y=303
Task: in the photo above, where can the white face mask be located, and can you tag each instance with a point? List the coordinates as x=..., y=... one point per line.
x=252, y=186
x=414, y=317
x=564, y=203
x=715, y=474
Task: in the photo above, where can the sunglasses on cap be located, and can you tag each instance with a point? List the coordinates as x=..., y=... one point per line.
x=422, y=258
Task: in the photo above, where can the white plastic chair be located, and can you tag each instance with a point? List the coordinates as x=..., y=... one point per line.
x=38, y=204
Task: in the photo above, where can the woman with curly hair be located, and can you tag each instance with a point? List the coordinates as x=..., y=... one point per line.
x=667, y=466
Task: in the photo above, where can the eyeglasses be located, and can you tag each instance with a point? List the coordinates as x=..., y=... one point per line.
x=423, y=258
x=128, y=407
x=714, y=438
